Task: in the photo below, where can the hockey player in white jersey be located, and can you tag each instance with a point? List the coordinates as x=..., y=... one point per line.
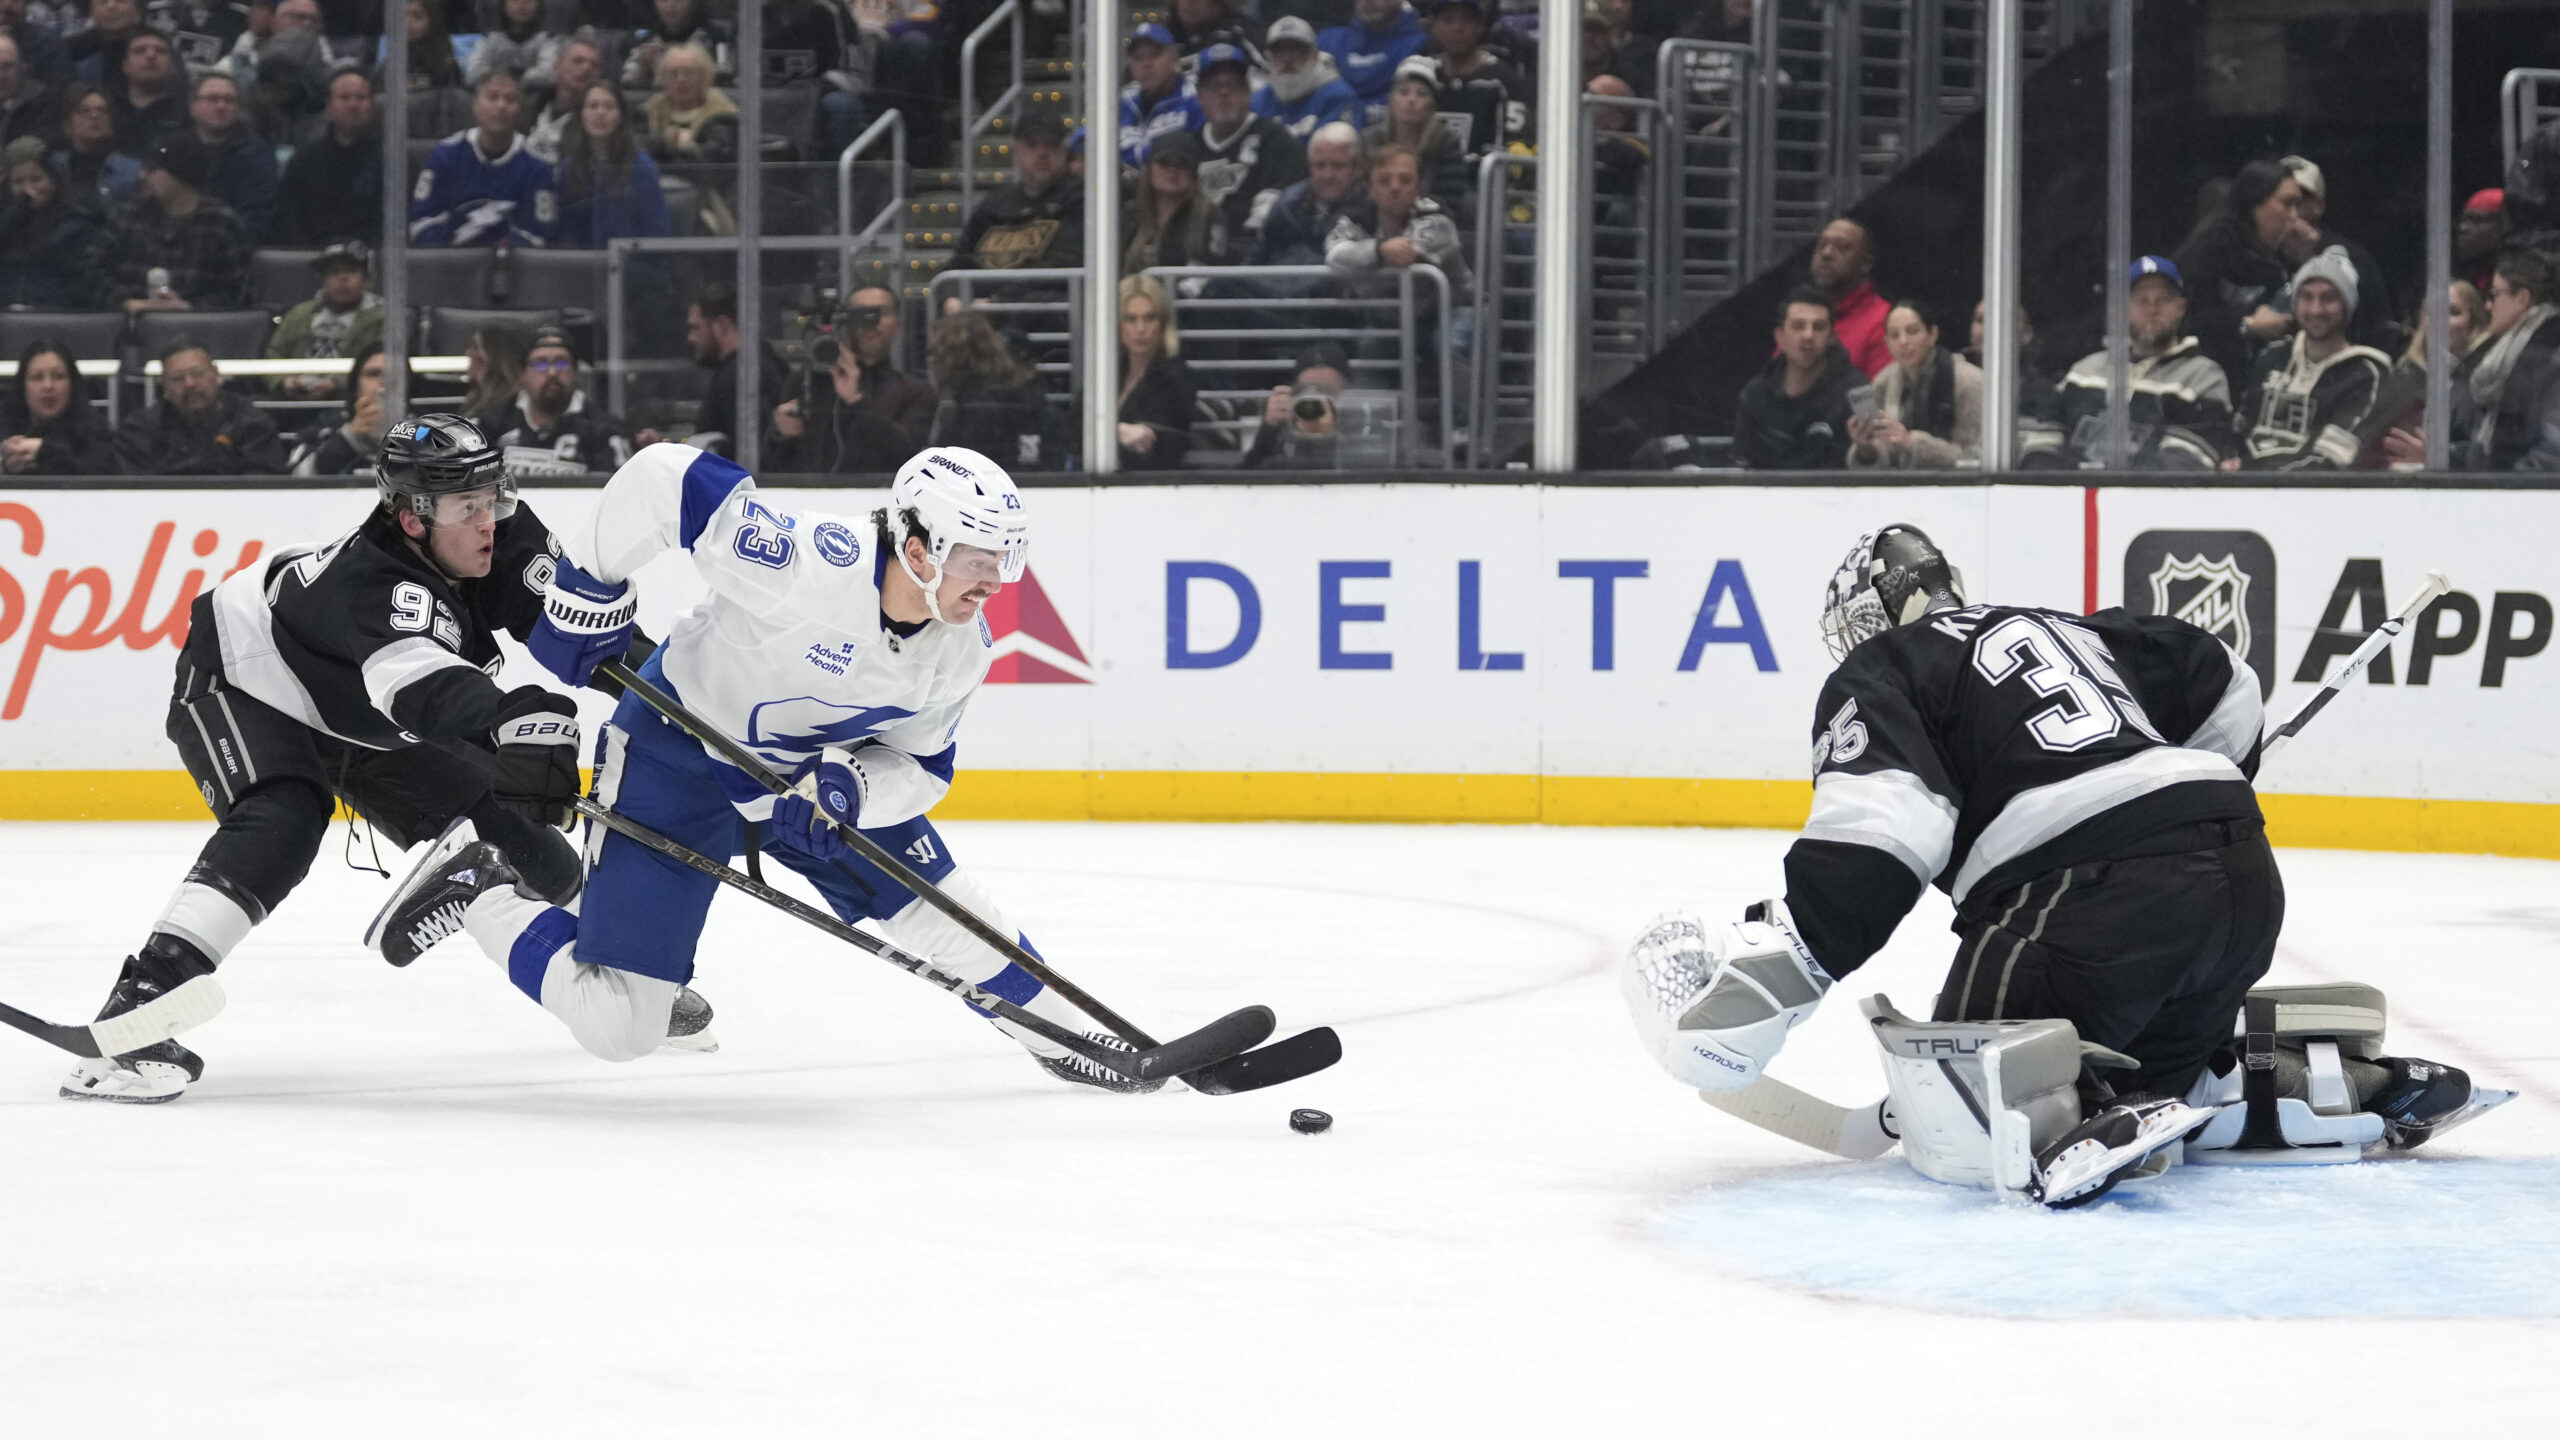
x=842, y=650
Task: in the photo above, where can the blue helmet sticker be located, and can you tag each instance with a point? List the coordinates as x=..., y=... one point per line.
x=836, y=544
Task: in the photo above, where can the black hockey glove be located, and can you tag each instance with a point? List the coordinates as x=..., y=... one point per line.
x=537, y=739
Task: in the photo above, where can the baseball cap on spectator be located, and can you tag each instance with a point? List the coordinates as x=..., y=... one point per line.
x=25, y=147
x=1150, y=34
x=345, y=252
x=1075, y=141
x=1434, y=7
x=1290, y=30
x=1419, y=67
x=1222, y=53
x=550, y=335
x=2158, y=265
x=1182, y=147
x=185, y=158
x=1041, y=125
x=2306, y=174
x=2489, y=199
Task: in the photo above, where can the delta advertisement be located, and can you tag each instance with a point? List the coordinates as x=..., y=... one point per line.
x=1431, y=652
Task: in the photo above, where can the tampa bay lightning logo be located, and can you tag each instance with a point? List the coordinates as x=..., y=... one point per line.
x=798, y=727
x=836, y=544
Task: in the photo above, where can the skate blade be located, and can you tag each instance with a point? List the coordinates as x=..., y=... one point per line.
x=2483, y=1100
x=700, y=1042
x=456, y=837
x=126, y=1085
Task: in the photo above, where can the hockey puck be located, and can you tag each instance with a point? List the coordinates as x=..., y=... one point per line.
x=1310, y=1122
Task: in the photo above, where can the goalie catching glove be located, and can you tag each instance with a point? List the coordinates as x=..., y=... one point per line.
x=537, y=741
x=1713, y=1004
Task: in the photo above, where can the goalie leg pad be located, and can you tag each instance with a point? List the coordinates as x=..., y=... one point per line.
x=1978, y=1101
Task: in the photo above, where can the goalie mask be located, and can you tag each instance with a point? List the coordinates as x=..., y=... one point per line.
x=959, y=498
x=1891, y=577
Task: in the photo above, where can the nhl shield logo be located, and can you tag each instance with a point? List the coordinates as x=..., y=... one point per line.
x=2223, y=582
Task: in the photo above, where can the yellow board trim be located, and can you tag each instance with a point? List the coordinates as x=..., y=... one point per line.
x=2336, y=822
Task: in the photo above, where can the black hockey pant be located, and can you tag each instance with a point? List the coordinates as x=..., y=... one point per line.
x=272, y=781
x=2148, y=953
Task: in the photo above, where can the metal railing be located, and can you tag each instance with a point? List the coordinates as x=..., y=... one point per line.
x=895, y=123
x=972, y=122
x=618, y=364
x=1052, y=328
x=1703, y=175
x=1506, y=327
x=1622, y=232
x=2527, y=101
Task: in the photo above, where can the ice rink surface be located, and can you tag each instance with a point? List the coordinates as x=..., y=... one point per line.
x=403, y=1203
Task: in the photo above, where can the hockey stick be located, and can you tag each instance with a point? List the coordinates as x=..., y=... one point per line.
x=1301, y=1054
x=2374, y=644
x=184, y=1008
x=1866, y=1131
x=1225, y=1038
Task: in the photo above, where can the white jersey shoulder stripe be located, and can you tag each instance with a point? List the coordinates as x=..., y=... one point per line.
x=1890, y=810
x=250, y=660
x=2238, y=718
x=2033, y=817
x=402, y=663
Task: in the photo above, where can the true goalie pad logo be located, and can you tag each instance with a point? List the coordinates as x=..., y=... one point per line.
x=2223, y=582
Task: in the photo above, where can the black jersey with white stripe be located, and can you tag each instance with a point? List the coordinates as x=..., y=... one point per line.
x=1985, y=746
x=362, y=639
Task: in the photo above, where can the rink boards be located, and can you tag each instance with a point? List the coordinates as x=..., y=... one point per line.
x=1569, y=654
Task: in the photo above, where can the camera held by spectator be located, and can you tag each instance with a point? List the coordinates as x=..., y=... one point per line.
x=1301, y=420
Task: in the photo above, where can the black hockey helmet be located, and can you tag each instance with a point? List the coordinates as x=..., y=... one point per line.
x=439, y=454
x=1891, y=577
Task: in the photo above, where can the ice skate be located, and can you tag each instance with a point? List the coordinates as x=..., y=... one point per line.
x=427, y=905
x=1076, y=1069
x=2425, y=1099
x=154, y=1074
x=689, y=1025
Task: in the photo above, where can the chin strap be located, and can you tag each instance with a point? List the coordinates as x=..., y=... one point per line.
x=931, y=588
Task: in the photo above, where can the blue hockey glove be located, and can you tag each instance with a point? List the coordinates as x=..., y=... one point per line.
x=585, y=622
x=804, y=821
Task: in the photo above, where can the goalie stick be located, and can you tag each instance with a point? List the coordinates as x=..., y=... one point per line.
x=1224, y=1039
x=184, y=1008
x=1301, y=1054
x=1863, y=1132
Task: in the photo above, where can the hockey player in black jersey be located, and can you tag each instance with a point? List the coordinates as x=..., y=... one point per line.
x=360, y=671
x=2080, y=787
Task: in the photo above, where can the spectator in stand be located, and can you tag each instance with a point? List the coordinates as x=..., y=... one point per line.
x=2305, y=401
x=2530, y=204
x=1382, y=35
x=1619, y=159
x=1248, y=159
x=332, y=188
x=97, y=53
x=286, y=73
x=46, y=240
x=1928, y=413
x=1483, y=92
x=2235, y=275
x=1159, y=98
x=340, y=320
x=1305, y=91
x=27, y=104
x=680, y=22
x=1414, y=121
x=518, y=45
x=549, y=430
x=432, y=62
x=39, y=54
x=908, y=45
x=100, y=177
x=2395, y=430
x=154, y=100
x=492, y=362
x=1307, y=212
x=866, y=418
x=175, y=226
x=990, y=398
x=1035, y=223
x=1297, y=429
x=1168, y=221
x=2181, y=401
x=1407, y=227
x=202, y=30
x=50, y=419
x=579, y=64
x=482, y=187
x=244, y=164
x=1199, y=24
x=196, y=427
x=348, y=445
x=2514, y=377
x=2375, y=323
x=1157, y=395
x=813, y=45
x=1794, y=414
x=711, y=335
x=608, y=184
x=1844, y=259
x=1607, y=48
x=2480, y=237
x=690, y=121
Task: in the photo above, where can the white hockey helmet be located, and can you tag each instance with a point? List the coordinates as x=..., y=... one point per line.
x=960, y=497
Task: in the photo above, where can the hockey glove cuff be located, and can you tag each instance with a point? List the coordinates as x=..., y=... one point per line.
x=585, y=622
x=537, y=740
x=1712, y=1005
